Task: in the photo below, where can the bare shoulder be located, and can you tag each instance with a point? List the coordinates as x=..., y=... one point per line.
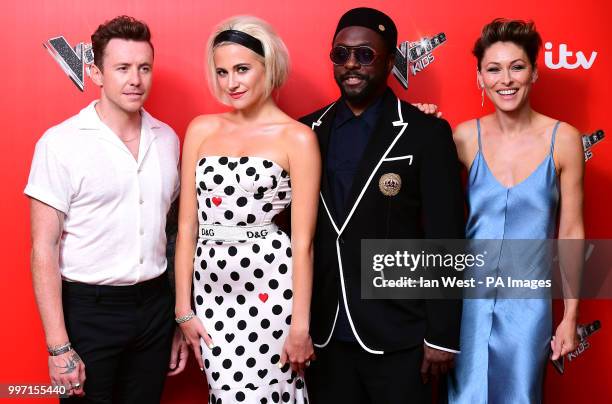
x=568, y=142
x=298, y=135
x=465, y=132
x=202, y=127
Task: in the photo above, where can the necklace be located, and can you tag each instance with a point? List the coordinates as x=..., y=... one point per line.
x=130, y=140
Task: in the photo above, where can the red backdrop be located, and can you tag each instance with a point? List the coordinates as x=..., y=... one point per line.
x=36, y=94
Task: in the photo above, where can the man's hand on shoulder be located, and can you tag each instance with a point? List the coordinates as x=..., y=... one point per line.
x=435, y=362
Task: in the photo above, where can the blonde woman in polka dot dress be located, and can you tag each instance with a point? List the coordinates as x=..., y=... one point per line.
x=251, y=283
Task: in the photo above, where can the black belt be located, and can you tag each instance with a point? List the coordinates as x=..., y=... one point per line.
x=142, y=289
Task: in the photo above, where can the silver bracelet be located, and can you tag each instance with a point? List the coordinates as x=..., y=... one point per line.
x=60, y=349
x=185, y=318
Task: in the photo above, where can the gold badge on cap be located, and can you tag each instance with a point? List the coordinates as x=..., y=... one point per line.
x=381, y=27
x=390, y=184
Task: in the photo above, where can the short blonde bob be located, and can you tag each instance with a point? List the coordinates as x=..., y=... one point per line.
x=276, y=60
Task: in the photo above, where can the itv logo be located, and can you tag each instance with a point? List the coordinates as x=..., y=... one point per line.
x=563, y=61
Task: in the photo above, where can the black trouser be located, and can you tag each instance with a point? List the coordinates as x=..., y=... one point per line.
x=123, y=335
x=344, y=373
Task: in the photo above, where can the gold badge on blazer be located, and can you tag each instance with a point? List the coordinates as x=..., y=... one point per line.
x=390, y=184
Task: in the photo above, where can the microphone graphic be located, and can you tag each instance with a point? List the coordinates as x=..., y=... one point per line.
x=583, y=331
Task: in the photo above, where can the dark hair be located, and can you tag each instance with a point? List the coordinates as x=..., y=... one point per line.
x=520, y=33
x=122, y=27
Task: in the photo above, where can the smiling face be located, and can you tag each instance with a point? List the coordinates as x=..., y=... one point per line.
x=126, y=74
x=360, y=84
x=240, y=75
x=507, y=75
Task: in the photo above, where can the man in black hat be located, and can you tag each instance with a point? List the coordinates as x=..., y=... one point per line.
x=389, y=171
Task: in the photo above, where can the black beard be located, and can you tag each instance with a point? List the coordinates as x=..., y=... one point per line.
x=366, y=95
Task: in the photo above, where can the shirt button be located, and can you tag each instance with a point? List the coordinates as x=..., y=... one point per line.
x=141, y=201
x=141, y=260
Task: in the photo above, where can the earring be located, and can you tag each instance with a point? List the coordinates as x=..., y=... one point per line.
x=482, y=98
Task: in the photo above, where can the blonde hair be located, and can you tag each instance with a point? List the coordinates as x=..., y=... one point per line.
x=275, y=61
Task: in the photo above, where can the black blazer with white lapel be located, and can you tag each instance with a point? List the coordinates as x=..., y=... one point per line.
x=419, y=148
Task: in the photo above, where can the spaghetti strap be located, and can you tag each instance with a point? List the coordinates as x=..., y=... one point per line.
x=478, y=127
x=554, y=135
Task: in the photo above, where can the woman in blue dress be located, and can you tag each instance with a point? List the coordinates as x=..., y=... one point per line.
x=524, y=183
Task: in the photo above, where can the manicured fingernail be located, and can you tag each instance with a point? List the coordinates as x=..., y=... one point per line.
x=201, y=369
x=279, y=364
x=211, y=345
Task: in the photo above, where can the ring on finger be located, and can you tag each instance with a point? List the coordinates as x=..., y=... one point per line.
x=76, y=385
x=307, y=363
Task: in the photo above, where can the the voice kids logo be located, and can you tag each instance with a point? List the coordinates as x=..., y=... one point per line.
x=588, y=141
x=71, y=60
x=563, y=60
x=415, y=56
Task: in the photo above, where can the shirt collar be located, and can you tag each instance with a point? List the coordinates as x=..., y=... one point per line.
x=369, y=116
x=88, y=119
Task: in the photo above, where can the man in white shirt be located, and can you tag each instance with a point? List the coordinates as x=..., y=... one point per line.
x=100, y=186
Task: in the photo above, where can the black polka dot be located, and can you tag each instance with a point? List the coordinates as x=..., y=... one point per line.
x=273, y=284
x=267, y=164
x=288, y=320
x=245, y=262
x=207, y=202
x=288, y=252
x=251, y=218
x=207, y=288
x=276, y=244
x=282, y=268
x=264, y=348
x=209, y=313
x=203, y=264
x=219, y=325
x=202, y=161
x=214, y=277
x=206, y=363
x=256, y=248
x=223, y=160
x=197, y=275
x=231, y=313
x=229, y=190
x=265, y=323
x=258, y=196
x=249, y=287
x=211, y=252
x=242, y=201
x=282, y=195
x=269, y=258
x=253, y=337
x=288, y=294
x=251, y=362
x=250, y=171
x=238, y=376
x=204, y=217
x=242, y=324
x=199, y=251
x=275, y=397
x=240, y=396
x=267, y=207
x=274, y=359
x=232, y=251
x=253, y=311
x=227, y=288
x=218, y=179
x=227, y=364
x=239, y=350
x=243, y=160
x=235, y=276
x=286, y=397
x=240, y=299
x=216, y=351
x=241, y=224
x=228, y=214
x=277, y=309
x=199, y=300
x=258, y=273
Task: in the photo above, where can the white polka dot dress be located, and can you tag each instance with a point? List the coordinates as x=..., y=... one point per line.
x=243, y=289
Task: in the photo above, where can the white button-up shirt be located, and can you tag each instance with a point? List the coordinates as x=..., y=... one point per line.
x=115, y=207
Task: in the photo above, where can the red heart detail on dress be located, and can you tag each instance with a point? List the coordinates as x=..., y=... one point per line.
x=263, y=297
x=216, y=200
